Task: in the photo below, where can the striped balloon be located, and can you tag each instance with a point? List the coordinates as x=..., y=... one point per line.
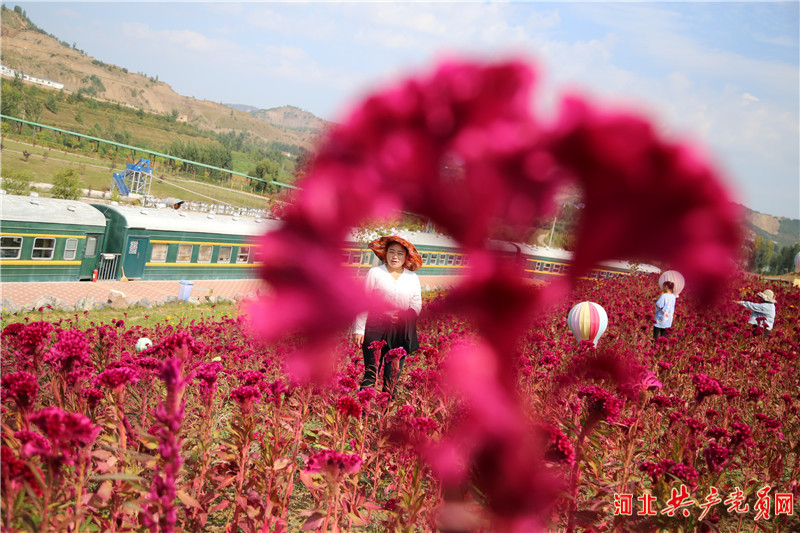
x=675, y=277
x=587, y=321
x=797, y=262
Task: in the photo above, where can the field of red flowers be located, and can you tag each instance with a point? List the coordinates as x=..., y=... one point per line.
x=206, y=431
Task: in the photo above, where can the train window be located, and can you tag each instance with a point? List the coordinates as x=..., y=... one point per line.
x=425, y=258
x=244, y=254
x=91, y=247
x=355, y=258
x=43, y=248
x=565, y=269
x=10, y=247
x=224, y=254
x=442, y=259
x=451, y=259
x=459, y=258
x=466, y=261
x=546, y=267
x=538, y=266
x=159, y=253
x=184, y=253
x=70, y=249
x=204, y=254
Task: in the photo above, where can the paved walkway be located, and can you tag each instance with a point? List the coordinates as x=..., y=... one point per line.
x=71, y=291
x=26, y=293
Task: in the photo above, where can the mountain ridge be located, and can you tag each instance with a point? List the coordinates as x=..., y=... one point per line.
x=27, y=48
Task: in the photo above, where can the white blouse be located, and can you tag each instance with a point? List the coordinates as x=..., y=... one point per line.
x=403, y=293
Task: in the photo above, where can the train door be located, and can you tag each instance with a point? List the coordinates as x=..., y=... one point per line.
x=134, y=257
x=94, y=241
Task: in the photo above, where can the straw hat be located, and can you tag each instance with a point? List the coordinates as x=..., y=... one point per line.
x=379, y=246
x=767, y=296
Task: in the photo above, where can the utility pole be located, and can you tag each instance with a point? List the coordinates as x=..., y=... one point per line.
x=552, y=230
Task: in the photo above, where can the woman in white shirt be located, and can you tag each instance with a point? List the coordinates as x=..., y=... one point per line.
x=397, y=283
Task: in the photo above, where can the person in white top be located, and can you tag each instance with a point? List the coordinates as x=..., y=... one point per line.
x=397, y=283
x=665, y=310
x=762, y=315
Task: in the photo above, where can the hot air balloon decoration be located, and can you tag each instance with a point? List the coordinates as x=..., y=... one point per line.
x=143, y=344
x=587, y=321
x=675, y=277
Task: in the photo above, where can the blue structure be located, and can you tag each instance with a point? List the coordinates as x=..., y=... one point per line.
x=135, y=178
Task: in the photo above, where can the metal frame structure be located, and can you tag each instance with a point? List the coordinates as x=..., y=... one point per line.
x=136, y=179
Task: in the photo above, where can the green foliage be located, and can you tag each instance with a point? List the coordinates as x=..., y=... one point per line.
x=33, y=109
x=782, y=261
x=66, y=185
x=115, y=197
x=761, y=254
x=52, y=104
x=18, y=182
x=11, y=99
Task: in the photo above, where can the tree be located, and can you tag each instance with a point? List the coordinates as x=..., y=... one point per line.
x=66, y=185
x=11, y=100
x=762, y=254
x=52, y=103
x=782, y=262
x=33, y=109
x=267, y=170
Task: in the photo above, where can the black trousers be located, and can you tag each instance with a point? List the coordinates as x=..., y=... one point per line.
x=371, y=368
x=659, y=332
x=400, y=334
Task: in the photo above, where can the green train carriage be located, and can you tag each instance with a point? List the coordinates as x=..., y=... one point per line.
x=166, y=244
x=46, y=239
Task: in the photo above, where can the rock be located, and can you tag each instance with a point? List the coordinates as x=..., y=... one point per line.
x=100, y=305
x=211, y=299
x=224, y=300
x=193, y=300
x=170, y=299
x=144, y=302
x=62, y=305
x=8, y=307
x=116, y=300
x=44, y=303
x=84, y=304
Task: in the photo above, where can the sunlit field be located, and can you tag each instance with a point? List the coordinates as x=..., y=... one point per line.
x=207, y=428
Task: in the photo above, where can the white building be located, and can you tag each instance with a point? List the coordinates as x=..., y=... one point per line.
x=11, y=73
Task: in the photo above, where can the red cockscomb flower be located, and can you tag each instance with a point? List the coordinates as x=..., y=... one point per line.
x=348, y=407
x=22, y=387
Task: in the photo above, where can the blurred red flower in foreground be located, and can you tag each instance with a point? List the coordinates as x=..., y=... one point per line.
x=462, y=147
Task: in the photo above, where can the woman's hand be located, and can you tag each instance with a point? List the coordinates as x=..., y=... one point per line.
x=358, y=339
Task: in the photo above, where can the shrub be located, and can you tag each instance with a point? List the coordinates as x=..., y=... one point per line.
x=66, y=185
x=17, y=183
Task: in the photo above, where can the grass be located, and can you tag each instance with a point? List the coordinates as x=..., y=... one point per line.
x=176, y=313
x=96, y=173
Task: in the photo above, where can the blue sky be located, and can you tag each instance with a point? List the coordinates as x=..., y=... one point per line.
x=722, y=74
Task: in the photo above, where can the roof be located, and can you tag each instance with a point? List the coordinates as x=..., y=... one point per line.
x=49, y=210
x=191, y=222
